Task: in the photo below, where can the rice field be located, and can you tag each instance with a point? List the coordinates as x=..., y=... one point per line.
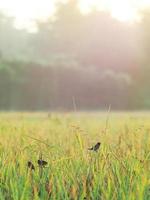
x=118, y=170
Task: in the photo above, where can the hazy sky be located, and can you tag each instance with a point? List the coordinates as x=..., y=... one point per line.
x=27, y=10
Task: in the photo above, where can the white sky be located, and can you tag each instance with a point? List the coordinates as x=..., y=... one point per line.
x=27, y=10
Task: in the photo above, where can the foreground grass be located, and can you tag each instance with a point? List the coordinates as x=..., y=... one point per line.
x=119, y=170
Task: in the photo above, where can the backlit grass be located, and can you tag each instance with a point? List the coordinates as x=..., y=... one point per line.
x=119, y=170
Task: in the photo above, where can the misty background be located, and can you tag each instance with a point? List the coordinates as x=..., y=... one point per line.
x=90, y=60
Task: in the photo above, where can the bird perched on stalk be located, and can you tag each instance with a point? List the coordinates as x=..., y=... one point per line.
x=96, y=147
x=30, y=165
x=42, y=163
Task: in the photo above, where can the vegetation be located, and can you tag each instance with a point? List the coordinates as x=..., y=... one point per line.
x=118, y=170
x=98, y=57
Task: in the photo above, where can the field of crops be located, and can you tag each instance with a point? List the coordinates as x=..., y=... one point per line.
x=119, y=169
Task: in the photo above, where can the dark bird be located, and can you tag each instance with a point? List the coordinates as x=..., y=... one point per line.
x=30, y=165
x=42, y=163
x=96, y=147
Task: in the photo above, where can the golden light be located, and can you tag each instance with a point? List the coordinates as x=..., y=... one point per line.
x=87, y=5
x=26, y=11
x=120, y=9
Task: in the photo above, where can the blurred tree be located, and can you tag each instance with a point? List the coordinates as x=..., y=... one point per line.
x=144, y=39
x=13, y=42
x=88, y=57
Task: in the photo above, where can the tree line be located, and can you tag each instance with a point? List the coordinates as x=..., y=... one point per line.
x=91, y=59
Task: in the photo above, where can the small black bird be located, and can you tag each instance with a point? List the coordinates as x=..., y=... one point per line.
x=42, y=163
x=96, y=147
x=30, y=165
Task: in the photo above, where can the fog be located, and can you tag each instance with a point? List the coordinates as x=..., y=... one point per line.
x=90, y=60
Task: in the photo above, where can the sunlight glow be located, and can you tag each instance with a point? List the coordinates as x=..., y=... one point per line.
x=25, y=11
x=123, y=10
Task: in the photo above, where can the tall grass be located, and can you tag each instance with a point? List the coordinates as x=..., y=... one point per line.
x=119, y=170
